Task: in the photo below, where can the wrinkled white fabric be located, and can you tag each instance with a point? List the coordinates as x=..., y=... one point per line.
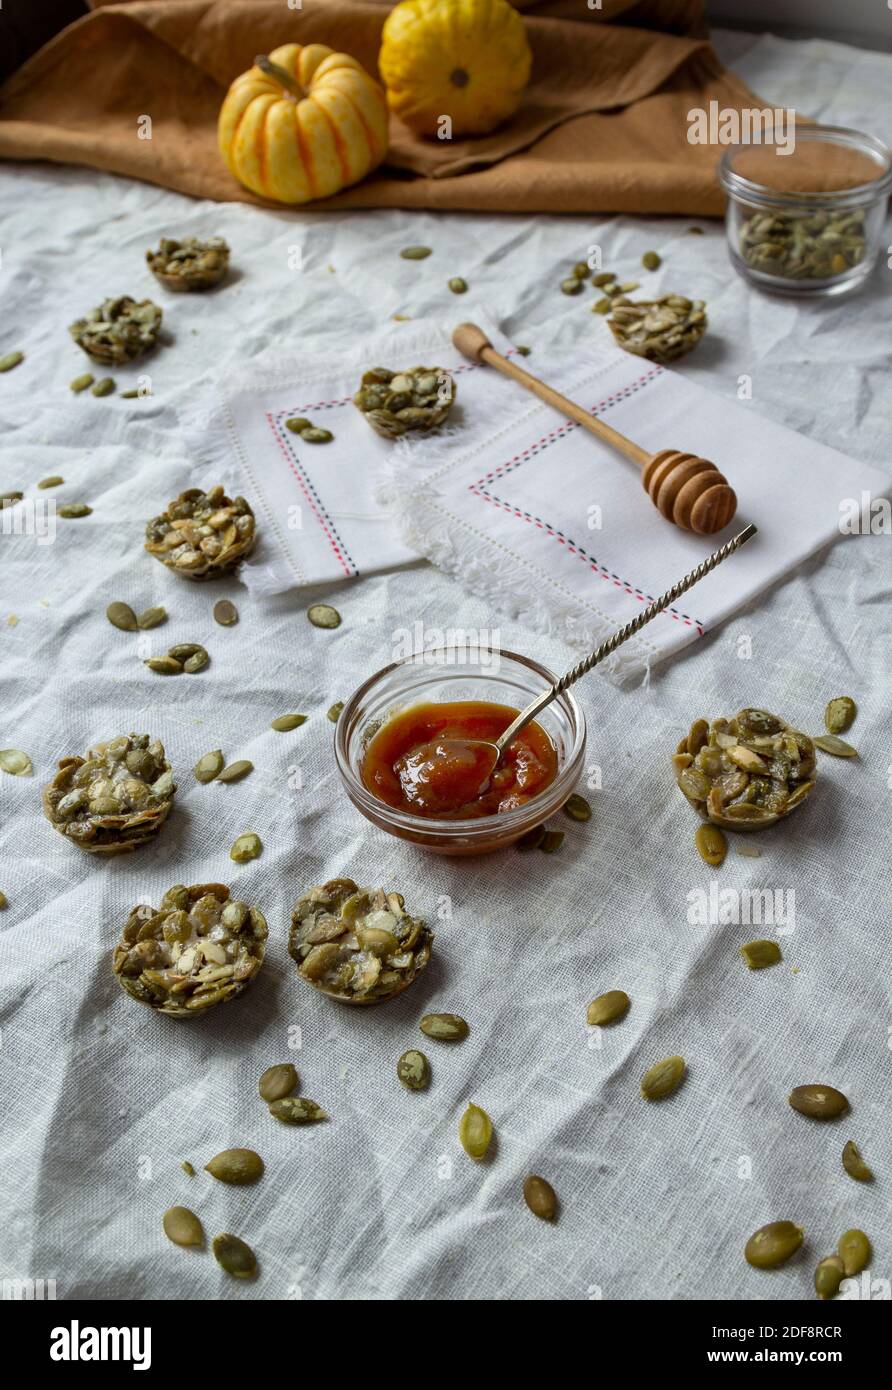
x=102, y=1100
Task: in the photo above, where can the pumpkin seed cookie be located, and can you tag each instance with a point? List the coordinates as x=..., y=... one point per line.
x=115, y=798
x=189, y=264
x=661, y=330
x=747, y=772
x=201, y=947
x=395, y=402
x=358, y=945
x=119, y=330
x=202, y=535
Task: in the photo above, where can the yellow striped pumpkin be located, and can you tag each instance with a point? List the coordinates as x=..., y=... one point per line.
x=303, y=123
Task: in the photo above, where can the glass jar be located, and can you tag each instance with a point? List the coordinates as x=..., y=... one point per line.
x=810, y=222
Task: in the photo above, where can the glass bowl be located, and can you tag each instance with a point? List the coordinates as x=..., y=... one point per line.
x=808, y=223
x=445, y=674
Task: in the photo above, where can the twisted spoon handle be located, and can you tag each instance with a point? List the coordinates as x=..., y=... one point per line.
x=623, y=635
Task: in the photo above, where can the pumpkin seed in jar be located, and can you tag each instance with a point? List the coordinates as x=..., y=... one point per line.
x=711, y=844
x=277, y=1082
x=151, y=617
x=577, y=808
x=854, y=1164
x=182, y=1226
x=334, y=713
x=323, y=615
x=458, y=285
x=237, y=1258
x=571, y=286
x=105, y=387
x=540, y=1197
x=80, y=383
x=551, y=841
x=72, y=510
x=415, y=253
x=663, y=1078
x=475, y=1132
x=12, y=359
x=829, y=1276
x=414, y=1070
x=209, y=766
x=246, y=847
x=53, y=481
x=121, y=616
x=297, y=1110
x=651, y=261
x=236, y=771
x=164, y=665
x=759, y=954
x=603, y=277
x=818, y=1102
x=298, y=423
x=225, y=613
x=838, y=747
x=286, y=722
x=15, y=762
x=444, y=1027
x=238, y=1167
x=773, y=1244
x=607, y=1008
x=840, y=714
x=316, y=435
x=854, y=1250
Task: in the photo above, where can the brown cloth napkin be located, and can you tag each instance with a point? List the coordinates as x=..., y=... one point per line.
x=602, y=128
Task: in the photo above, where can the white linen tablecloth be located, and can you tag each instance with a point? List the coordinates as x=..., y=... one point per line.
x=102, y=1100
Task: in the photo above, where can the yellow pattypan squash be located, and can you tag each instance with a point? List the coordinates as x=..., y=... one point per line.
x=302, y=124
x=468, y=60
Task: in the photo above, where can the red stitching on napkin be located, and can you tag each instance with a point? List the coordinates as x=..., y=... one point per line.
x=334, y=540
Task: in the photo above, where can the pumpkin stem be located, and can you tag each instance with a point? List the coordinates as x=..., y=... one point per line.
x=278, y=73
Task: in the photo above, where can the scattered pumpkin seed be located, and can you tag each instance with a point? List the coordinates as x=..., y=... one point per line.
x=854, y=1164
x=122, y=616
x=103, y=387
x=316, y=435
x=415, y=253
x=323, y=615
x=571, y=286
x=601, y=306
x=334, y=713
x=237, y=1258
x=297, y=1110
x=458, y=285
x=129, y=395
x=80, y=383
x=818, y=1102
x=183, y=650
x=711, y=844
x=238, y=1167
x=840, y=714
x=72, y=510
x=9, y=498
x=236, y=771
x=196, y=662
x=532, y=839
x=551, y=841
x=297, y=423
x=607, y=1008
x=444, y=1027
x=577, y=808
x=759, y=954
x=151, y=617
x=414, y=1070
x=286, y=722
x=540, y=1197
x=209, y=766
x=164, y=665
x=182, y=1226
x=53, y=481
x=12, y=359
x=15, y=762
x=524, y=351
x=603, y=277
x=4, y=901
x=187, y=1168
x=277, y=1082
x=246, y=847
x=581, y=270
x=629, y=287
x=773, y=1244
x=828, y=1277
x=695, y=231
x=829, y=743
x=475, y=1132
x=854, y=1251
x=651, y=261
x=663, y=1078
x=225, y=613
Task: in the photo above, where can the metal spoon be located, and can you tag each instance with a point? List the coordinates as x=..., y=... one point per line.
x=480, y=769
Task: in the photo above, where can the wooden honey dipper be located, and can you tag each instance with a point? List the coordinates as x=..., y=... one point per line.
x=685, y=489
